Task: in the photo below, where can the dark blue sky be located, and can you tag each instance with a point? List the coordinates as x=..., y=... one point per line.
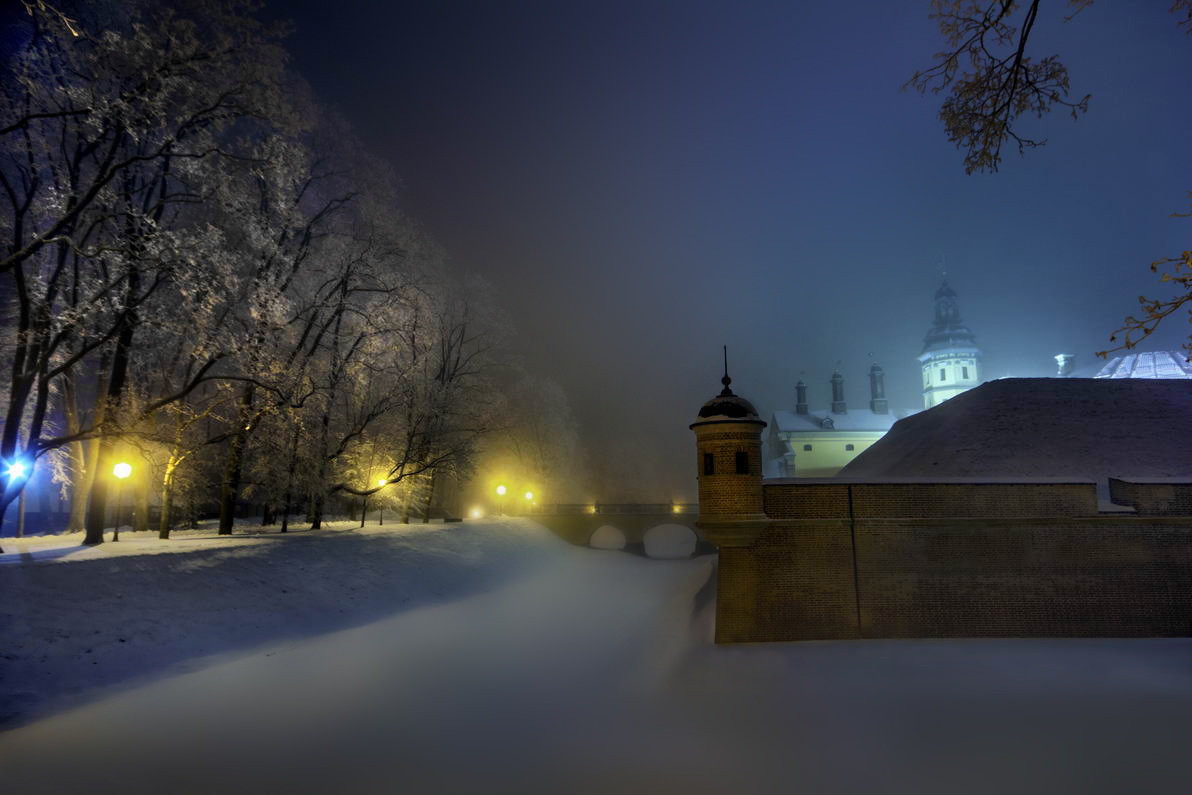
x=642, y=182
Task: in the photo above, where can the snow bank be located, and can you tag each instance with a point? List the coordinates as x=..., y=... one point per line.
x=76, y=618
x=669, y=541
x=607, y=537
x=588, y=674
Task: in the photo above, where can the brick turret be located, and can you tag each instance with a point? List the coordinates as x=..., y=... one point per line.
x=728, y=441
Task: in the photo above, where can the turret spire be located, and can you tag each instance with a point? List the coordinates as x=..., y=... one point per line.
x=726, y=392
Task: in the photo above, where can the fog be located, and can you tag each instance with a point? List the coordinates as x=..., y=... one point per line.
x=643, y=183
x=496, y=658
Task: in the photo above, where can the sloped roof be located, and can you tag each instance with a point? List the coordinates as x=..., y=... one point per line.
x=1043, y=427
x=1149, y=364
x=854, y=420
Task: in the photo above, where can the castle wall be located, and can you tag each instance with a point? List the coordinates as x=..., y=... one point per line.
x=1171, y=499
x=900, y=560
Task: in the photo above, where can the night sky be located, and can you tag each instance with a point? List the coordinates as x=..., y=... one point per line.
x=643, y=182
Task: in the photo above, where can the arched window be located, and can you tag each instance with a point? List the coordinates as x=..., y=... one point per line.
x=742, y=462
x=709, y=464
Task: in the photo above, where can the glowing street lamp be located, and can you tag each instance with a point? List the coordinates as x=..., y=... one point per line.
x=122, y=470
x=16, y=470
x=501, y=493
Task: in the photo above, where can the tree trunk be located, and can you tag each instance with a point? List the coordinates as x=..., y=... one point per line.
x=81, y=474
x=430, y=497
x=230, y=488
x=97, y=509
x=316, y=511
x=285, y=504
x=140, y=515
x=165, y=522
x=97, y=506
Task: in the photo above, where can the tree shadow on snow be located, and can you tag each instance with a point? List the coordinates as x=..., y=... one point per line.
x=77, y=630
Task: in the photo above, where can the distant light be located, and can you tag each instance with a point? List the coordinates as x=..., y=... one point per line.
x=477, y=513
x=381, y=481
x=677, y=508
x=16, y=470
x=591, y=509
x=501, y=491
x=529, y=495
x=122, y=470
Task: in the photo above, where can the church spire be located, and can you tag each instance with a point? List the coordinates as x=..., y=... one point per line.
x=950, y=359
x=948, y=330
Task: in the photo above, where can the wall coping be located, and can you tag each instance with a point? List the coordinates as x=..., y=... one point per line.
x=943, y=481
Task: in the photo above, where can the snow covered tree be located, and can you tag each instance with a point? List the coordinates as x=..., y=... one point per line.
x=122, y=127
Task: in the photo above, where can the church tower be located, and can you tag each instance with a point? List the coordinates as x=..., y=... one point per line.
x=951, y=360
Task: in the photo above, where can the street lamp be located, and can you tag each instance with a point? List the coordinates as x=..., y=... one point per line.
x=15, y=471
x=529, y=495
x=501, y=493
x=122, y=470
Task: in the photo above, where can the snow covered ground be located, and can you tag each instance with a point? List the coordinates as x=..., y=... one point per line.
x=491, y=657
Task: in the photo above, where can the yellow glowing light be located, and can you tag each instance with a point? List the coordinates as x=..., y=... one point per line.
x=529, y=495
x=122, y=470
x=381, y=481
x=677, y=508
x=501, y=491
x=477, y=513
x=591, y=509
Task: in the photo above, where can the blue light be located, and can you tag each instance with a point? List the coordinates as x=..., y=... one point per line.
x=16, y=470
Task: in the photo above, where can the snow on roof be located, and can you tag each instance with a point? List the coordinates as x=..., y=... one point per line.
x=1149, y=364
x=1043, y=428
x=854, y=420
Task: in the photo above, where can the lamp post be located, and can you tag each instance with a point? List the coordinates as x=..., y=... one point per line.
x=121, y=471
x=501, y=493
x=381, y=482
x=529, y=501
x=18, y=471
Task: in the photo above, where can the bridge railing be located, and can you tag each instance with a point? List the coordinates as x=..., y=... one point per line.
x=631, y=508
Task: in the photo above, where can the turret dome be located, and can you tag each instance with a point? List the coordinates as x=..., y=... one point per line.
x=727, y=407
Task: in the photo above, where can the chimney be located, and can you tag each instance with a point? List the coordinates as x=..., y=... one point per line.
x=1065, y=364
x=838, y=405
x=877, y=391
x=800, y=397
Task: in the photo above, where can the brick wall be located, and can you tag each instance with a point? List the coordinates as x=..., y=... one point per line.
x=1171, y=499
x=794, y=583
x=928, y=500
x=1104, y=576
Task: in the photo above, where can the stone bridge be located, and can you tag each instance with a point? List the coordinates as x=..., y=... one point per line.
x=631, y=522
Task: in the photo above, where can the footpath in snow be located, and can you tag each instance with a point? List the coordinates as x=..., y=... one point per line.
x=544, y=668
